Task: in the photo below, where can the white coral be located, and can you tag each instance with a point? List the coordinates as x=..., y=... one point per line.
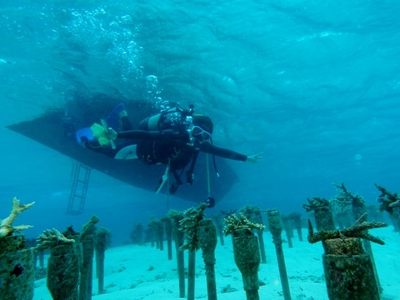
x=6, y=228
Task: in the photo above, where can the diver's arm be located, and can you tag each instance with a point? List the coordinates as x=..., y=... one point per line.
x=222, y=152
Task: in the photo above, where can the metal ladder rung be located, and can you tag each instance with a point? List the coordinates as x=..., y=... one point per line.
x=78, y=189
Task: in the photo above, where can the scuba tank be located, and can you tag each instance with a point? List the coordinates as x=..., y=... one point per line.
x=175, y=118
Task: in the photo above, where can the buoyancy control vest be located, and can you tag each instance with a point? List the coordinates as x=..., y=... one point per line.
x=169, y=150
x=176, y=153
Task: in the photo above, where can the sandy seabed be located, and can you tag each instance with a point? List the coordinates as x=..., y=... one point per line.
x=144, y=272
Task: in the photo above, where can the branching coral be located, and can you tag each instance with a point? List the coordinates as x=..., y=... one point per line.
x=88, y=229
x=295, y=216
x=345, y=199
x=154, y=222
x=175, y=214
x=190, y=225
x=235, y=223
x=175, y=217
x=358, y=230
x=70, y=233
x=228, y=213
x=316, y=203
x=388, y=200
x=252, y=212
x=6, y=228
x=156, y=227
x=137, y=233
x=51, y=238
x=249, y=209
x=103, y=238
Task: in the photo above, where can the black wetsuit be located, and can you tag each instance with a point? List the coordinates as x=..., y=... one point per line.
x=169, y=147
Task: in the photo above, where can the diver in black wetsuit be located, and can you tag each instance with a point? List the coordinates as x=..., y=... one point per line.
x=173, y=137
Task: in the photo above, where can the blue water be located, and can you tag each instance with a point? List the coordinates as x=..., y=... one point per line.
x=313, y=85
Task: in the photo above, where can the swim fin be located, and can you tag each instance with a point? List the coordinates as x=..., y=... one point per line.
x=114, y=116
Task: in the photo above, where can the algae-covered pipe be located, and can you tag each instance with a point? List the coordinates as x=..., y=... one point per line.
x=190, y=225
x=288, y=229
x=137, y=233
x=395, y=220
x=85, y=289
x=168, y=233
x=246, y=251
x=191, y=274
x=296, y=221
x=348, y=271
x=359, y=209
x=17, y=271
x=63, y=272
x=324, y=219
x=63, y=265
x=390, y=203
x=160, y=235
x=41, y=259
x=322, y=213
x=253, y=214
x=275, y=227
x=102, y=236
x=219, y=224
x=208, y=243
x=88, y=241
x=176, y=217
x=247, y=258
x=260, y=235
x=179, y=239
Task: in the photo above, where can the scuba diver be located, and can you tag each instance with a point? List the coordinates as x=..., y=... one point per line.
x=173, y=137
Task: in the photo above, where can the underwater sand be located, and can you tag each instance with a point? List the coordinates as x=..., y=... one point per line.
x=144, y=272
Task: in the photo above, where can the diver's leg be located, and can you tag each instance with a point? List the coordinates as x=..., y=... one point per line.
x=118, y=118
x=125, y=122
x=114, y=117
